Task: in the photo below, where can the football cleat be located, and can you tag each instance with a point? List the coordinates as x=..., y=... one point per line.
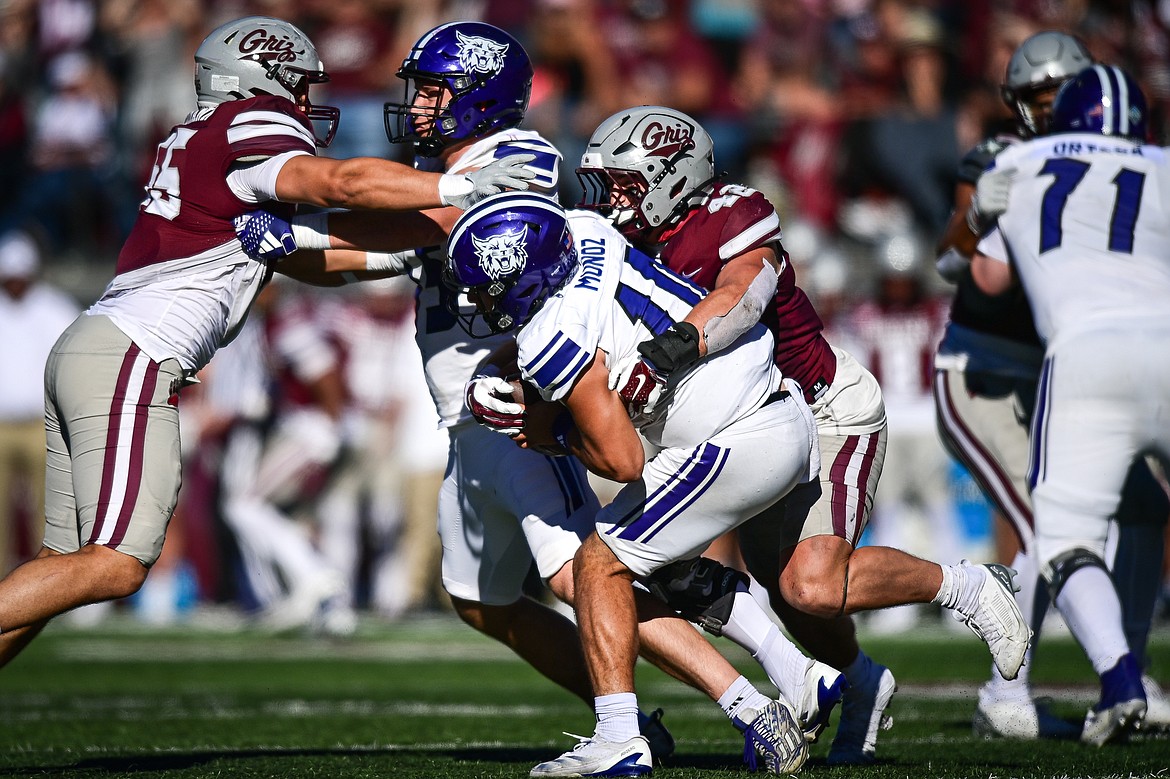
x=657, y=736
x=1018, y=717
x=997, y=619
x=863, y=714
x=820, y=692
x=594, y=757
x=1157, y=719
x=1122, y=704
x=773, y=739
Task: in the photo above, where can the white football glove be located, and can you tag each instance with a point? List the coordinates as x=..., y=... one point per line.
x=638, y=384
x=463, y=190
x=992, y=193
x=483, y=397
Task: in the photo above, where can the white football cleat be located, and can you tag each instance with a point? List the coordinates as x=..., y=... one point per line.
x=1157, y=719
x=997, y=618
x=863, y=714
x=594, y=757
x=820, y=692
x=774, y=737
x=1018, y=716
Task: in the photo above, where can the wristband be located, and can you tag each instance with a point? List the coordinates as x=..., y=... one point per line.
x=395, y=262
x=311, y=231
x=453, y=187
x=673, y=349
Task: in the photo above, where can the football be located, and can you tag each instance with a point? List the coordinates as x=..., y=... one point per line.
x=522, y=392
x=518, y=391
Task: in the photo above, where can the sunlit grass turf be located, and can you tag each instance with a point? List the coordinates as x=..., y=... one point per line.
x=430, y=698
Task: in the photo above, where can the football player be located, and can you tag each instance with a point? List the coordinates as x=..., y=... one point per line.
x=986, y=372
x=1082, y=231
x=732, y=438
x=651, y=171
x=182, y=288
x=502, y=508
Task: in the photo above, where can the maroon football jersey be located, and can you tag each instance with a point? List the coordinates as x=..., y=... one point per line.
x=189, y=207
x=723, y=224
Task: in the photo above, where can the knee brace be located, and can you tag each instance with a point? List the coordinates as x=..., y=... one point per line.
x=700, y=590
x=1064, y=565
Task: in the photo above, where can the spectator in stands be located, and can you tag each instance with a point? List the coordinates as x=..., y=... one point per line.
x=32, y=315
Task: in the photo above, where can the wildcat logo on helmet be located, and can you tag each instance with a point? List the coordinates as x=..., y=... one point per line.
x=502, y=255
x=480, y=55
x=666, y=140
x=269, y=48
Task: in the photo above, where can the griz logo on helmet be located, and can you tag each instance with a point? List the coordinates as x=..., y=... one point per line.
x=666, y=140
x=502, y=255
x=480, y=55
x=258, y=44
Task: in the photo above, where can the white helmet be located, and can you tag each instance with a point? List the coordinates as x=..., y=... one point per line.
x=260, y=55
x=1041, y=64
x=641, y=163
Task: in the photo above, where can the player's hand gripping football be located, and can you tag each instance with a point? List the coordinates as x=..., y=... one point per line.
x=638, y=384
x=490, y=401
x=265, y=236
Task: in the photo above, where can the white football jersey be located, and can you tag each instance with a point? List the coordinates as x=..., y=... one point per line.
x=619, y=298
x=450, y=356
x=1087, y=230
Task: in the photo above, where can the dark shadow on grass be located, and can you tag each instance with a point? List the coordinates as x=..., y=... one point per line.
x=178, y=761
x=710, y=761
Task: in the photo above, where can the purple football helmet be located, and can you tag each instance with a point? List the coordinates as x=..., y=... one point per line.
x=484, y=72
x=514, y=248
x=1101, y=99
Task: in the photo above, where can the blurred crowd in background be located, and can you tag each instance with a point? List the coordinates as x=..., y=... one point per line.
x=313, y=457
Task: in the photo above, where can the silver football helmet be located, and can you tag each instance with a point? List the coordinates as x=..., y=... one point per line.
x=642, y=163
x=260, y=55
x=1041, y=64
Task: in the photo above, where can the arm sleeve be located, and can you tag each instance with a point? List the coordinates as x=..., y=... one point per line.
x=255, y=184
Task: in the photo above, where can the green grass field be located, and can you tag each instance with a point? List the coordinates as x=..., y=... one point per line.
x=430, y=698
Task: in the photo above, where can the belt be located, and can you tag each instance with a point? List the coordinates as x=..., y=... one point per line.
x=776, y=397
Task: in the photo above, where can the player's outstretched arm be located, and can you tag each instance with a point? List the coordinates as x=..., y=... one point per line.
x=376, y=184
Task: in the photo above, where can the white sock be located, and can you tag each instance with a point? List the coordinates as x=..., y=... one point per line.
x=741, y=698
x=617, y=716
x=960, y=587
x=1088, y=602
x=752, y=627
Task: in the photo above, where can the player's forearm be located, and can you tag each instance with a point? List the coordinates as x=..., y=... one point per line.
x=957, y=234
x=386, y=232
x=361, y=182
x=332, y=268
x=744, y=289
